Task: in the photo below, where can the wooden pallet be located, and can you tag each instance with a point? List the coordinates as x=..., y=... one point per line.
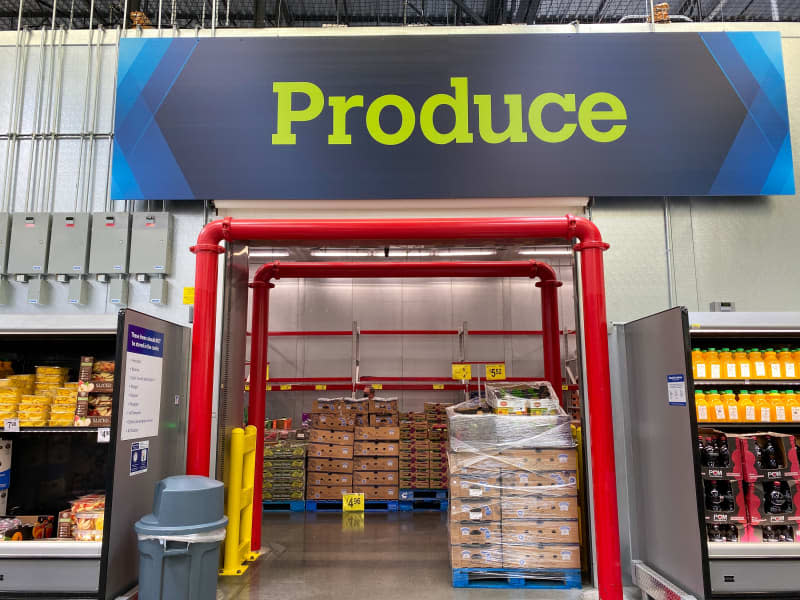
x=542, y=579
x=284, y=505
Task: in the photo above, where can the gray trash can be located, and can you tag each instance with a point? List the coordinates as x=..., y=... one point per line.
x=179, y=542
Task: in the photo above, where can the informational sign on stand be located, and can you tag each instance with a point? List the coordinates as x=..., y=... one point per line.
x=141, y=400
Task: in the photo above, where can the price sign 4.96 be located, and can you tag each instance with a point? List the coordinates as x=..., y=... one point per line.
x=353, y=502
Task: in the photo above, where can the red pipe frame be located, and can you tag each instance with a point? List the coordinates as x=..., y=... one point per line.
x=522, y=229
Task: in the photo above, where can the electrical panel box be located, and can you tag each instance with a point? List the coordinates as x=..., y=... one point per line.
x=5, y=232
x=69, y=244
x=151, y=243
x=111, y=242
x=30, y=238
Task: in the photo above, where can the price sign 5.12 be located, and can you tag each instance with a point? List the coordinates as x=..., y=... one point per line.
x=353, y=502
x=496, y=372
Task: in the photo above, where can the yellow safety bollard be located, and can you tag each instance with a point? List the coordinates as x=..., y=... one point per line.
x=239, y=501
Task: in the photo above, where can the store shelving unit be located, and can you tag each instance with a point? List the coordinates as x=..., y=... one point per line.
x=52, y=465
x=667, y=529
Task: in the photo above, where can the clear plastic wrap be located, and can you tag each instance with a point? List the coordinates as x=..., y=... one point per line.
x=514, y=505
x=216, y=535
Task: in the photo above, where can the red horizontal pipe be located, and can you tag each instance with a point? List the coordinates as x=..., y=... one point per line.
x=409, y=332
x=306, y=379
x=307, y=333
x=513, y=332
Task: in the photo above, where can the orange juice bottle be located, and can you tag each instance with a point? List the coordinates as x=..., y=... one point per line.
x=772, y=363
x=758, y=370
x=788, y=368
x=763, y=407
x=778, y=402
x=796, y=358
x=742, y=364
x=716, y=407
x=728, y=364
x=731, y=406
x=792, y=406
x=701, y=406
x=699, y=364
x=747, y=409
x=713, y=366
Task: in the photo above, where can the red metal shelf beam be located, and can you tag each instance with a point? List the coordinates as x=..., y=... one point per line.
x=411, y=332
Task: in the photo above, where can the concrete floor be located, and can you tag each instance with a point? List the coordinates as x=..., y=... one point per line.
x=386, y=556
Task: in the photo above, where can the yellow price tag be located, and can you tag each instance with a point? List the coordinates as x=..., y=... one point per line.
x=438, y=386
x=496, y=372
x=246, y=387
x=565, y=387
x=188, y=295
x=267, y=376
x=320, y=388
x=269, y=388
x=462, y=371
x=286, y=388
x=353, y=502
x=377, y=386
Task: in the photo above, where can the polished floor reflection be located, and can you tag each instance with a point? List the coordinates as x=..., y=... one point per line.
x=381, y=556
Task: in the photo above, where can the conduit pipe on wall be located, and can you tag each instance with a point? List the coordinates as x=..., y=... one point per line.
x=315, y=231
x=345, y=270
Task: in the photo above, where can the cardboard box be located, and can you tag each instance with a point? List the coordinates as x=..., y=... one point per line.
x=769, y=456
x=356, y=407
x=362, y=420
x=375, y=463
x=375, y=449
x=377, y=433
x=376, y=478
x=323, y=406
x=488, y=532
x=720, y=454
x=415, y=484
x=467, y=509
x=329, y=465
x=330, y=479
x=726, y=532
x=758, y=534
x=327, y=492
x=283, y=495
x=540, y=507
x=333, y=422
x=470, y=556
x=437, y=408
x=478, y=485
x=540, y=532
x=284, y=484
x=724, y=501
x=294, y=474
x=382, y=406
x=384, y=420
x=378, y=492
x=329, y=451
x=559, y=483
x=772, y=502
x=533, y=459
x=281, y=464
x=414, y=445
x=558, y=556
x=325, y=436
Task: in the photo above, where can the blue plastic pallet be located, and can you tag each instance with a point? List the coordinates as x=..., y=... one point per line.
x=424, y=504
x=284, y=505
x=422, y=494
x=336, y=505
x=542, y=579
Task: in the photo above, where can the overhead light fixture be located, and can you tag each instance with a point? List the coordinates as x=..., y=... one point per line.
x=268, y=253
x=466, y=252
x=545, y=252
x=341, y=252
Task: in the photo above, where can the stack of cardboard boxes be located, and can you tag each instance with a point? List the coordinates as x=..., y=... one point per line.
x=284, y=471
x=376, y=450
x=423, y=448
x=330, y=451
x=513, y=490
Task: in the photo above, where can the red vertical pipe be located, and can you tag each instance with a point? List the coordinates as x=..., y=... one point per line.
x=256, y=407
x=551, y=342
x=595, y=328
x=198, y=435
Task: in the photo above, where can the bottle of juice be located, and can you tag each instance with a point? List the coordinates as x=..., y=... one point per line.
x=699, y=364
x=763, y=407
x=701, y=405
x=787, y=364
x=758, y=370
x=792, y=406
x=728, y=364
x=713, y=366
x=772, y=363
x=731, y=406
x=716, y=407
x=747, y=408
x=796, y=359
x=778, y=402
x=742, y=364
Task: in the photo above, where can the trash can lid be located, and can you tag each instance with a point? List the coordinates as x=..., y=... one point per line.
x=185, y=504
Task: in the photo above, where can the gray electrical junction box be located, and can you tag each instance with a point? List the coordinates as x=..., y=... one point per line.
x=69, y=244
x=151, y=243
x=30, y=237
x=111, y=241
